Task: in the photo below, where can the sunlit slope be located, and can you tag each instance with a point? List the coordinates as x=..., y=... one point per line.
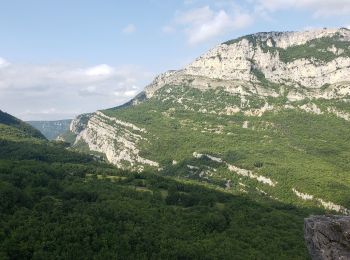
x=265, y=114
x=303, y=147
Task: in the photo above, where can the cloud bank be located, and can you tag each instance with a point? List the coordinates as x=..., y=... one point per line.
x=57, y=91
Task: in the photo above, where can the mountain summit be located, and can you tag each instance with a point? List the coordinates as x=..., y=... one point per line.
x=304, y=62
x=265, y=114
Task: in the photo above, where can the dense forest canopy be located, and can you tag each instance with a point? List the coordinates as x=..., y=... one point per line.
x=56, y=203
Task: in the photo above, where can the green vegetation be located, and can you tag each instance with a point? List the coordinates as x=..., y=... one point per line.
x=297, y=149
x=252, y=38
x=229, y=166
x=58, y=204
x=318, y=49
x=19, y=128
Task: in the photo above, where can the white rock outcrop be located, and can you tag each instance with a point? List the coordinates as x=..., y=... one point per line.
x=325, y=204
x=237, y=60
x=252, y=67
x=251, y=175
x=232, y=66
x=116, y=139
x=237, y=170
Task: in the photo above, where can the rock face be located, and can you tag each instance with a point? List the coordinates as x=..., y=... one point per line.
x=328, y=237
x=257, y=109
x=116, y=139
x=263, y=52
x=292, y=66
x=310, y=59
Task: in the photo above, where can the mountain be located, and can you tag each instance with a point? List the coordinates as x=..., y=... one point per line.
x=59, y=204
x=51, y=129
x=13, y=128
x=264, y=114
x=311, y=64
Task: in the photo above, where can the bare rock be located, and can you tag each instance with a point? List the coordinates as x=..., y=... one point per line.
x=328, y=237
x=233, y=65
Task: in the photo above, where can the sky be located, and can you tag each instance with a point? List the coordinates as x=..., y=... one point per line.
x=61, y=58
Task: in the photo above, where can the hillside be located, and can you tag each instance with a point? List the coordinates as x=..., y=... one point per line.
x=265, y=115
x=61, y=204
x=13, y=128
x=51, y=129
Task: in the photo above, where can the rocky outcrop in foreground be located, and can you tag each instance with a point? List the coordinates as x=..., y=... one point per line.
x=328, y=237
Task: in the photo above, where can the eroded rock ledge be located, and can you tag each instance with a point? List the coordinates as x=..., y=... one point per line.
x=328, y=237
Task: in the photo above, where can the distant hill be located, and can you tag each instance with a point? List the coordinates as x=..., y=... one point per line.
x=51, y=129
x=13, y=128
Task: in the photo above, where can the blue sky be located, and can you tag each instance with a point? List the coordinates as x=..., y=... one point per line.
x=60, y=58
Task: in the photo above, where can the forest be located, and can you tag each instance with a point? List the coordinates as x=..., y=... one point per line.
x=59, y=204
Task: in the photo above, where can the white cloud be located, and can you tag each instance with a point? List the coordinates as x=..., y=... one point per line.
x=129, y=29
x=127, y=93
x=56, y=91
x=100, y=70
x=3, y=63
x=130, y=93
x=199, y=15
x=317, y=7
x=204, y=23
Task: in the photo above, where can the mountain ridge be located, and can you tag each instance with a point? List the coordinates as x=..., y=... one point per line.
x=258, y=126
x=251, y=60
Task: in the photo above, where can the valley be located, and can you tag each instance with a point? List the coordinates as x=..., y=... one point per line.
x=62, y=204
x=222, y=159
x=51, y=129
x=289, y=131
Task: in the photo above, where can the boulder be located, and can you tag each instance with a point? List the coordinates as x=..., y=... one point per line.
x=328, y=237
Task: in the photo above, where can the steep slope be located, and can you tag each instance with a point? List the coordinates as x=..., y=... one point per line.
x=311, y=64
x=51, y=129
x=56, y=203
x=13, y=128
x=265, y=114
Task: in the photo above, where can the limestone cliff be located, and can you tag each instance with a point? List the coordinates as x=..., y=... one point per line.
x=116, y=139
x=328, y=237
x=308, y=64
x=293, y=65
x=265, y=114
